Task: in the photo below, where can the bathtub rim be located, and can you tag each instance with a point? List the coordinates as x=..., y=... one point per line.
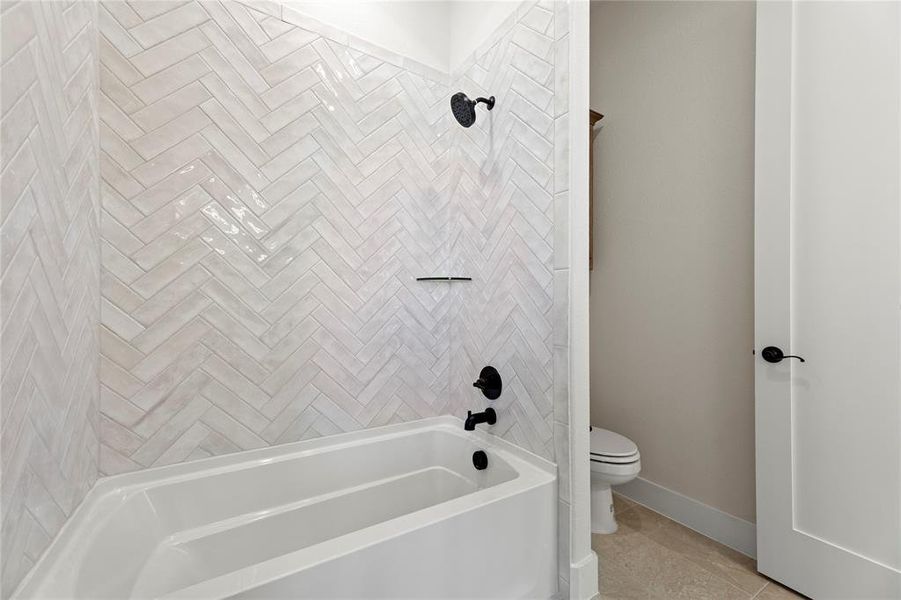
x=245, y=459
x=532, y=471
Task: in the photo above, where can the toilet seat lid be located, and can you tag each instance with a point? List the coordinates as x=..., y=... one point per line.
x=611, y=444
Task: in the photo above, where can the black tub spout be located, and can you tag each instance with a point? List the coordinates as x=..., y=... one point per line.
x=473, y=419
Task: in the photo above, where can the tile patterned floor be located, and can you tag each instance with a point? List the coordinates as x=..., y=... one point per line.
x=654, y=558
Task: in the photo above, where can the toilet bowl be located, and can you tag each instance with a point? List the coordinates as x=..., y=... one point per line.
x=614, y=460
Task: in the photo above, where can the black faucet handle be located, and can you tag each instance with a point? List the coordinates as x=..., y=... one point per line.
x=489, y=382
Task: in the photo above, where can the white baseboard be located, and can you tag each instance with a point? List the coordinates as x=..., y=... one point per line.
x=583, y=578
x=722, y=527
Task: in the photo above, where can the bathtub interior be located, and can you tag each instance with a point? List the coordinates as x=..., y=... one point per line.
x=153, y=540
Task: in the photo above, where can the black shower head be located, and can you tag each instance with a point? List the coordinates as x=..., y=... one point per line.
x=464, y=109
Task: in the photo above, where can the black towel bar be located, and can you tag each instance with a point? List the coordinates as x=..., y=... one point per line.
x=444, y=279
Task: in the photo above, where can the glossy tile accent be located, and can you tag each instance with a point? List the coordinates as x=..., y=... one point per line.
x=49, y=274
x=652, y=557
x=270, y=196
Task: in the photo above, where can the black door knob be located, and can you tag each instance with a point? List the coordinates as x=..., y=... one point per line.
x=773, y=354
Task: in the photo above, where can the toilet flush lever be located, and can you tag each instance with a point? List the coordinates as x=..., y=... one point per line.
x=774, y=354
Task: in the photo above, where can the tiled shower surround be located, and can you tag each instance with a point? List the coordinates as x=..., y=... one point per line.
x=270, y=187
x=270, y=194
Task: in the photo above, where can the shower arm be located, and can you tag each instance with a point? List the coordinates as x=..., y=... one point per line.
x=488, y=101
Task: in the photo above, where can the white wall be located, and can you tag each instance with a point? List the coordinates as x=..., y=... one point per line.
x=672, y=289
x=439, y=33
x=471, y=23
x=572, y=88
x=415, y=29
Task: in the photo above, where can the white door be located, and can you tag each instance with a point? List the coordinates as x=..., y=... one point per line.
x=828, y=288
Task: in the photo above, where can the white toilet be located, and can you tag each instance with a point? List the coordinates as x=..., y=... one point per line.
x=614, y=460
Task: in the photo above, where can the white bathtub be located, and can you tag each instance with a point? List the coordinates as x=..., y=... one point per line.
x=393, y=512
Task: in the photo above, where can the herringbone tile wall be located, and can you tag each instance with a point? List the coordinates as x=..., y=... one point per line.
x=269, y=196
x=49, y=274
x=502, y=226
